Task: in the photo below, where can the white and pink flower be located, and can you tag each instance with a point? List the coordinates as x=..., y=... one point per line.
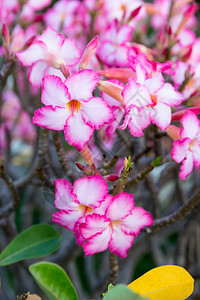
x=48, y=52
x=76, y=203
x=113, y=50
x=148, y=100
x=117, y=228
x=187, y=148
x=70, y=106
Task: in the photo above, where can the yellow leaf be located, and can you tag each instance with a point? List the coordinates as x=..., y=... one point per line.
x=164, y=283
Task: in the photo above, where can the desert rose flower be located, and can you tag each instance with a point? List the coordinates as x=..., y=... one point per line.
x=76, y=203
x=187, y=148
x=70, y=106
x=115, y=229
x=148, y=100
x=113, y=50
x=50, y=50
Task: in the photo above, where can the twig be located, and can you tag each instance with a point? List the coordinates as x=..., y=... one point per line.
x=182, y=212
x=11, y=186
x=60, y=151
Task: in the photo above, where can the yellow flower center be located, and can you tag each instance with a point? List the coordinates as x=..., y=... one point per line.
x=114, y=224
x=86, y=210
x=154, y=99
x=73, y=106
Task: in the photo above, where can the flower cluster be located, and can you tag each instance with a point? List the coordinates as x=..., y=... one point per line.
x=99, y=220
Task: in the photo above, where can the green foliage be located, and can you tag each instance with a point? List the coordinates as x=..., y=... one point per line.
x=37, y=241
x=110, y=287
x=128, y=163
x=53, y=280
x=121, y=292
x=157, y=161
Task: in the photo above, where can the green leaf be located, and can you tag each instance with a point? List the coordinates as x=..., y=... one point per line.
x=110, y=287
x=53, y=280
x=157, y=161
x=36, y=241
x=121, y=292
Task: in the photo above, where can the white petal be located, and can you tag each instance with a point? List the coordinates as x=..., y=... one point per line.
x=161, y=115
x=34, y=53
x=64, y=198
x=120, y=242
x=77, y=133
x=138, y=219
x=93, y=225
x=82, y=84
x=191, y=126
x=120, y=206
x=50, y=117
x=97, y=243
x=187, y=166
x=70, y=52
x=54, y=91
x=96, y=112
x=37, y=73
x=91, y=191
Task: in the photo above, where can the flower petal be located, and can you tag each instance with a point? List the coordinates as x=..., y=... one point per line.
x=64, y=198
x=91, y=191
x=191, y=126
x=54, y=92
x=136, y=95
x=37, y=73
x=77, y=133
x=120, y=242
x=93, y=224
x=120, y=206
x=196, y=155
x=180, y=149
x=97, y=243
x=96, y=113
x=70, y=52
x=169, y=96
x=138, y=219
x=52, y=39
x=124, y=34
x=187, y=166
x=50, y=117
x=67, y=219
x=155, y=84
x=82, y=84
x=161, y=115
x=32, y=54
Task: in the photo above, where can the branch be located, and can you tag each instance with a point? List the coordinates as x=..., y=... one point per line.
x=11, y=186
x=182, y=212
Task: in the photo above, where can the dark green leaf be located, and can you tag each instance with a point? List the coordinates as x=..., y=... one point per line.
x=36, y=241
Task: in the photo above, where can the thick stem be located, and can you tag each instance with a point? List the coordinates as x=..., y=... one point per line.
x=114, y=268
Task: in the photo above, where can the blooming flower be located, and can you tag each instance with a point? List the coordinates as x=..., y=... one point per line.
x=148, y=100
x=113, y=50
x=77, y=202
x=115, y=229
x=50, y=50
x=70, y=106
x=187, y=148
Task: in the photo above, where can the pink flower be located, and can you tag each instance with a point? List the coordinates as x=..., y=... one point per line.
x=76, y=203
x=113, y=50
x=187, y=149
x=148, y=101
x=115, y=229
x=50, y=50
x=70, y=106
